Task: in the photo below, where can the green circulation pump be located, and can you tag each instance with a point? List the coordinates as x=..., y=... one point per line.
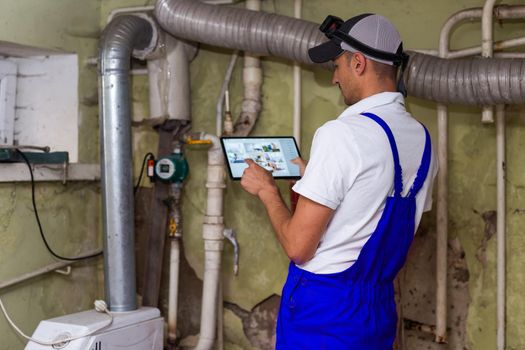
x=172, y=168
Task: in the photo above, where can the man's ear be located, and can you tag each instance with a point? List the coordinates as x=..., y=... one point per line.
x=358, y=63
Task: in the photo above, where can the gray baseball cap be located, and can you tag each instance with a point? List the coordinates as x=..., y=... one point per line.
x=372, y=35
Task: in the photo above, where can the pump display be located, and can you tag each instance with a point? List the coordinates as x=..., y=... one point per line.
x=172, y=168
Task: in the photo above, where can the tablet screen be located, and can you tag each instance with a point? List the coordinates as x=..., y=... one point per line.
x=272, y=153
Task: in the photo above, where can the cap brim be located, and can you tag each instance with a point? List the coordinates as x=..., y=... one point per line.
x=325, y=52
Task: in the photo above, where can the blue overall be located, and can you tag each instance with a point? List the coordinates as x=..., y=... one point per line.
x=355, y=309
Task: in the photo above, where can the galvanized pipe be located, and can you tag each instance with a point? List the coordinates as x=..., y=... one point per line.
x=119, y=39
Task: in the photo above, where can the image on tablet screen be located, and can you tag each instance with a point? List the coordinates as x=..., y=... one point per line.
x=273, y=154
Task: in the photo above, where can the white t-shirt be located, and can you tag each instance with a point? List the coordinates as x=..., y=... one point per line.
x=351, y=170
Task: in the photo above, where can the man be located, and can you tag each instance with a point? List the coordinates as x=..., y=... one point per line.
x=362, y=195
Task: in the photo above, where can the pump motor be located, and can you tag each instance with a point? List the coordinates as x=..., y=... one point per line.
x=172, y=168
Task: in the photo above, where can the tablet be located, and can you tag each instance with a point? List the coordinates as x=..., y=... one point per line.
x=274, y=153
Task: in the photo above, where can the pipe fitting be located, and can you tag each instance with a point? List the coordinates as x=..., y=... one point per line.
x=215, y=177
x=213, y=220
x=214, y=246
x=212, y=232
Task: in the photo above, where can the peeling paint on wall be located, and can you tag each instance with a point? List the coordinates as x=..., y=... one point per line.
x=259, y=323
x=417, y=293
x=489, y=218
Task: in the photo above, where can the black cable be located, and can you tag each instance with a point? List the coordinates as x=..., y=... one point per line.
x=38, y=218
x=146, y=157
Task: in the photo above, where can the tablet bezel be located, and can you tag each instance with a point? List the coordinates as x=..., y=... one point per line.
x=257, y=137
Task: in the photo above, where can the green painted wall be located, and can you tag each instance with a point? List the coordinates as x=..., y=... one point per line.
x=70, y=214
x=472, y=162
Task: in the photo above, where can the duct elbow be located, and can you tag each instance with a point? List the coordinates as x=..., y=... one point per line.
x=123, y=36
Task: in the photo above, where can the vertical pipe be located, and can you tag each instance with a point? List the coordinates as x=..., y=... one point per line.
x=157, y=86
x=500, y=224
x=487, y=29
x=173, y=289
x=222, y=96
x=175, y=234
x=117, y=193
x=169, y=81
x=178, y=92
x=442, y=206
x=220, y=318
x=252, y=80
x=297, y=87
x=442, y=226
x=119, y=38
x=487, y=113
x=487, y=116
x=212, y=267
x=212, y=232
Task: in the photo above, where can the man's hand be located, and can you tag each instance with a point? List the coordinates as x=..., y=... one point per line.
x=256, y=180
x=301, y=163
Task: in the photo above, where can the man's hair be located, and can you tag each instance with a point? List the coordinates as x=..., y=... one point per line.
x=384, y=71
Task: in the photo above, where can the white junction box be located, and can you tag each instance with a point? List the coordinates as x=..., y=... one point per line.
x=141, y=329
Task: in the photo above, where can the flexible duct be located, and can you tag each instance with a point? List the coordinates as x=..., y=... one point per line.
x=119, y=39
x=470, y=81
x=236, y=28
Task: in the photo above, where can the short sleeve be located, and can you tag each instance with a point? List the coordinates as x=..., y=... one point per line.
x=333, y=166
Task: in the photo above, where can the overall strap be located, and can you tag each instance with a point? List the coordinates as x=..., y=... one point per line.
x=398, y=173
x=422, y=172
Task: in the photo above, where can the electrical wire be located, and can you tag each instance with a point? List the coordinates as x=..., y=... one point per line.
x=100, y=306
x=38, y=218
x=146, y=157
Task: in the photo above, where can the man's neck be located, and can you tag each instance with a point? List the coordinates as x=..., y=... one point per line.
x=374, y=89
